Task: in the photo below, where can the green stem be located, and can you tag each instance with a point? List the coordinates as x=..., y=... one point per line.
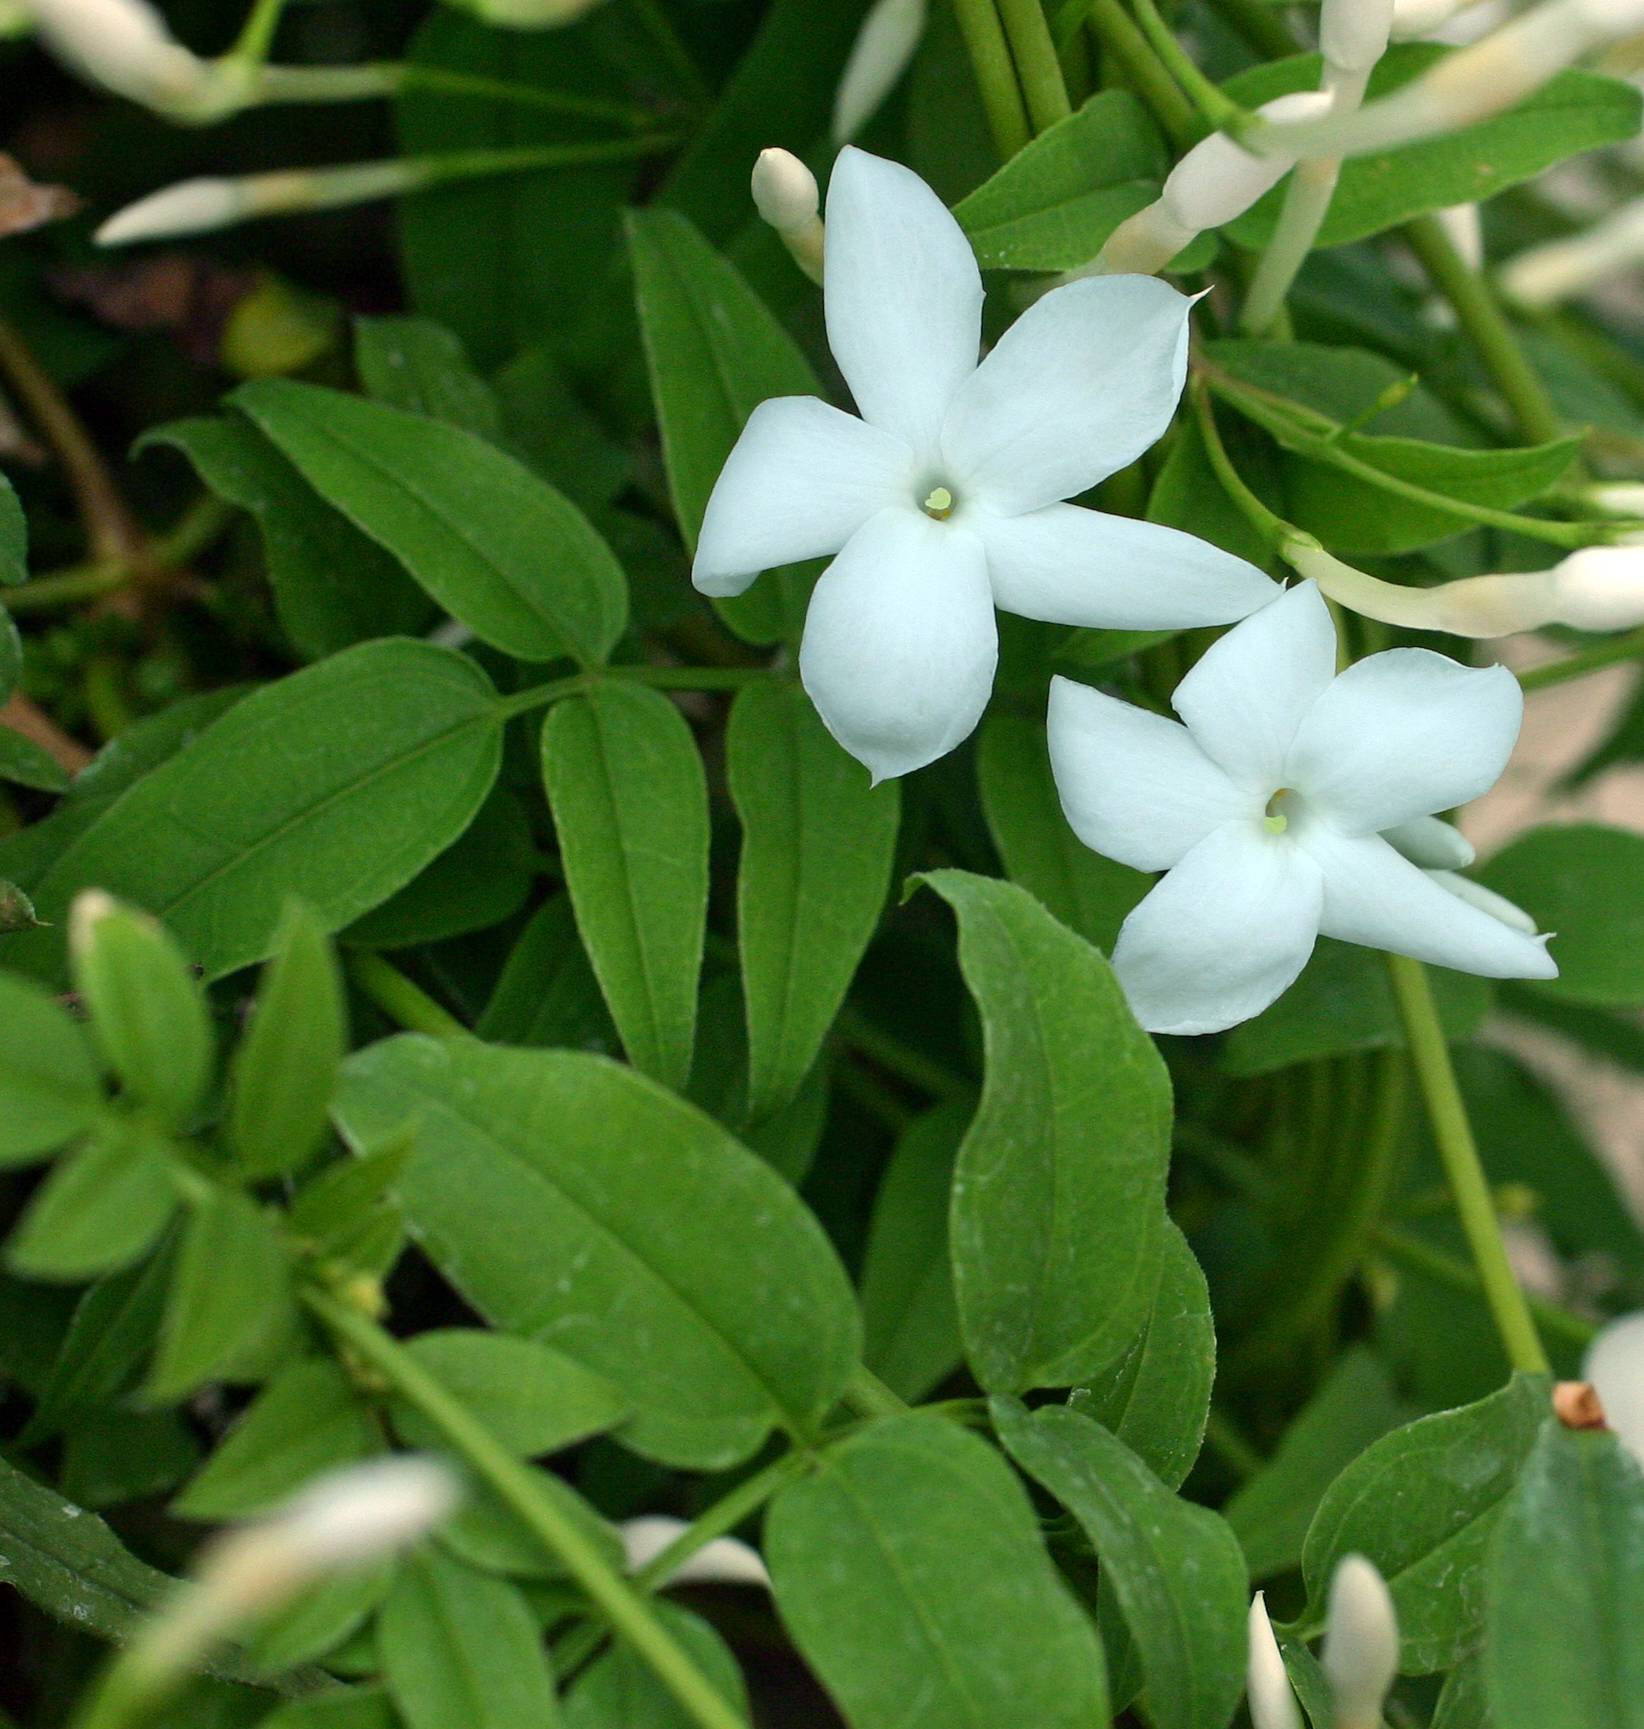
x=1458, y=1152
x=1306, y=204
x=406, y=1004
x=868, y=1396
x=1037, y=68
x=189, y=536
x=1435, y=1263
x=995, y=75
x=624, y=1608
x=1578, y=665
x=1135, y=57
x=1216, y=108
x=1486, y=325
x=678, y=57
x=723, y=1517
x=897, y=1058
x=695, y=677
x=1260, y=25
x=256, y=37
x=444, y=81
x=1267, y=523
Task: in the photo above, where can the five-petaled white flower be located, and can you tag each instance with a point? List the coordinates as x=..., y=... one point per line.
x=1268, y=811
x=946, y=498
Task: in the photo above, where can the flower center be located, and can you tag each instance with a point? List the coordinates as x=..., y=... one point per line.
x=938, y=503
x=1277, y=820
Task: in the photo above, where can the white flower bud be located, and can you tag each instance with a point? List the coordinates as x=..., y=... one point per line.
x=1218, y=179
x=1486, y=900
x=724, y=1561
x=344, y=1518
x=1615, y=1365
x=1619, y=498
x=1465, y=231
x=123, y=45
x=1546, y=275
x=1432, y=843
x=1267, y=1682
x=1353, y=33
x=1415, y=18
x=785, y=195
x=884, y=45
x=1361, y=1643
x=190, y=207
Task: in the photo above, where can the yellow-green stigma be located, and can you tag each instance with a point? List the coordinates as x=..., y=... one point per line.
x=939, y=503
x=1276, y=822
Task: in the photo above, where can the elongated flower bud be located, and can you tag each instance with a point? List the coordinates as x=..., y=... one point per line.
x=343, y=1519
x=1217, y=180
x=887, y=41
x=1596, y=588
x=1546, y=275
x=1353, y=33
x=785, y=195
x=1486, y=900
x=528, y=14
x=124, y=46
x=1615, y=1366
x=1361, y=1644
x=1267, y=1683
x=1431, y=843
x=1417, y=18
x=724, y=1561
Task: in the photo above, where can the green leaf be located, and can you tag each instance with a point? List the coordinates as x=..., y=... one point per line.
x=533, y=1398
x=487, y=1534
x=817, y=849
x=14, y=537
x=1585, y=883
x=148, y=1016
x=1156, y=1396
x=618, y=1691
x=112, y=1457
x=1571, y=113
x=1421, y=1503
x=910, y=1573
x=508, y=258
x=547, y=994
x=1089, y=894
x=1053, y=205
x=49, y=1090
x=332, y=586
x=1058, y=1204
x=24, y=763
x=416, y=364
x=308, y=1419
x=498, y=548
x=70, y=1564
x=910, y=1323
x=319, y=1619
x=1562, y=1649
x=1462, y=1704
x=339, y=1708
x=11, y=655
x=1343, y=1002
x=230, y=1297
x=286, y=1064
x=460, y=1647
x=1270, y=1513
x=101, y=1207
x=480, y=880
x=1175, y=1568
x=334, y=786
x=715, y=353
x=685, y=1271
x=630, y=804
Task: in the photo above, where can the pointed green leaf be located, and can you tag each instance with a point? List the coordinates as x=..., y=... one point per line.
x=49, y=1090
x=100, y=1208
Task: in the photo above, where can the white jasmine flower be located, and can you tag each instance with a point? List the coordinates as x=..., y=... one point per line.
x=1271, y=1698
x=945, y=498
x=1361, y=1643
x=1269, y=808
x=1615, y=1366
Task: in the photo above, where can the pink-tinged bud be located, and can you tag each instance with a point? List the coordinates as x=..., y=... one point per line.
x=1267, y=1683
x=1361, y=1643
x=1353, y=33
x=785, y=194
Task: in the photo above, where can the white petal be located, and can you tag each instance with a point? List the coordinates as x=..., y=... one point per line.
x=798, y=483
x=903, y=297
x=1431, y=843
x=1134, y=785
x=900, y=644
x=1068, y=565
x=1247, y=695
x=1404, y=734
x=1375, y=897
x=1223, y=935
x=1078, y=387
x=1615, y=1366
